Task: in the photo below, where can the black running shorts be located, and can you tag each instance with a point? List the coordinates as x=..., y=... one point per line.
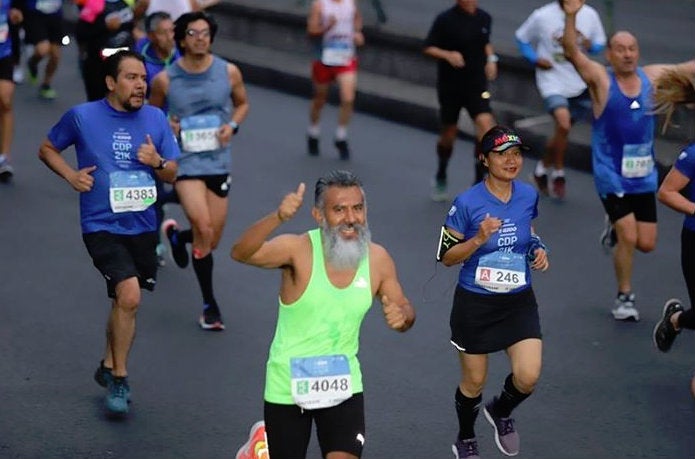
x=339, y=428
x=120, y=257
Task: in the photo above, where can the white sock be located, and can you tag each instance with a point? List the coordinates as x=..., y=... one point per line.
x=341, y=133
x=314, y=130
x=557, y=173
x=540, y=169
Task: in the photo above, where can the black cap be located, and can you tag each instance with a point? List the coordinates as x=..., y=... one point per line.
x=501, y=138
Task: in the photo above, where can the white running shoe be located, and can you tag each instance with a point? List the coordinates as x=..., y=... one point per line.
x=625, y=308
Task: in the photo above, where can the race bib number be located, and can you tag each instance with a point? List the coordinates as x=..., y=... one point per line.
x=199, y=133
x=320, y=382
x=637, y=160
x=501, y=272
x=4, y=31
x=131, y=191
x=337, y=53
x=48, y=6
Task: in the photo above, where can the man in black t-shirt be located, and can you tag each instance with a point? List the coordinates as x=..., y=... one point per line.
x=460, y=41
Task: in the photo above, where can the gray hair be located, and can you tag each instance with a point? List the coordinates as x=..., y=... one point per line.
x=153, y=19
x=339, y=178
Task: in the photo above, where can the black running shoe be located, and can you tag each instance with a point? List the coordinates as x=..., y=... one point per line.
x=343, y=149
x=170, y=231
x=103, y=375
x=541, y=183
x=664, y=332
x=312, y=145
x=211, y=319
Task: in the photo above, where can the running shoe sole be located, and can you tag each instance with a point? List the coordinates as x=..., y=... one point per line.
x=630, y=315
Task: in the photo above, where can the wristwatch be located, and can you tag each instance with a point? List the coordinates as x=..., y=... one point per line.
x=493, y=58
x=234, y=125
x=162, y=164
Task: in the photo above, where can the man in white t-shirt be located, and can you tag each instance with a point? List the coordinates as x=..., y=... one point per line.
x=564, y=94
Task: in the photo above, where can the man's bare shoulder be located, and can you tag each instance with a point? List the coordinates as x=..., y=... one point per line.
x=378, y=253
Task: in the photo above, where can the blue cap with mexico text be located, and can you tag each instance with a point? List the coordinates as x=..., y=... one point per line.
x=501, y=138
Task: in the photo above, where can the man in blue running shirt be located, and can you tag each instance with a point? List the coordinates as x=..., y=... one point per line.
x=622, y=143
x=122, y=146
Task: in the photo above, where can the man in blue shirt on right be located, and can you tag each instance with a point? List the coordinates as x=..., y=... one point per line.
x=622, y=143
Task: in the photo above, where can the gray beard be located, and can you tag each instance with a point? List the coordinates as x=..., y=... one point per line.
x=341, y=253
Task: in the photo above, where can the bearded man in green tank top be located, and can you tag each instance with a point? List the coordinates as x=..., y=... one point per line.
x=330, y=276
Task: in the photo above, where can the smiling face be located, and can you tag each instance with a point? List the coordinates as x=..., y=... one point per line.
x=127, y=91
x=343, y=222
x=505, y=165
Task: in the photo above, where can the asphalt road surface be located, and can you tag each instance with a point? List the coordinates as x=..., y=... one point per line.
x=605, y=391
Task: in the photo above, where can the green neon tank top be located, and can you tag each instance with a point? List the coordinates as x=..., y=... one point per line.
x=325, y=320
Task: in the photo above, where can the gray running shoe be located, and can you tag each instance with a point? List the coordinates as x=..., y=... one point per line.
x=664, y=332
x=6, y=169
x=439, y=190
x=466, y=449
x=506, y=436
x=625, y=308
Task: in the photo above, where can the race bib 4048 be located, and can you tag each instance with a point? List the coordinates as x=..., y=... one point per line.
x=320, y=382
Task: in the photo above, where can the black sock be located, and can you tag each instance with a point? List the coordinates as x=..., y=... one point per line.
x=185, y=237
x=467, y=411
x=443, y=154
x=203, y=271
x=509, y=398
x=181, y=238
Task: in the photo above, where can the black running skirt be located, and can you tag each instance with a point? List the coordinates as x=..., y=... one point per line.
x=481, y=324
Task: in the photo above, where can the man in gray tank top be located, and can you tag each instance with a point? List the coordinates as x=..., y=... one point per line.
x=206, y=101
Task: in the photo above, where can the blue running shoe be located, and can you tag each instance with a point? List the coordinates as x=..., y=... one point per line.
x=103, y=376
x=117, y=398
